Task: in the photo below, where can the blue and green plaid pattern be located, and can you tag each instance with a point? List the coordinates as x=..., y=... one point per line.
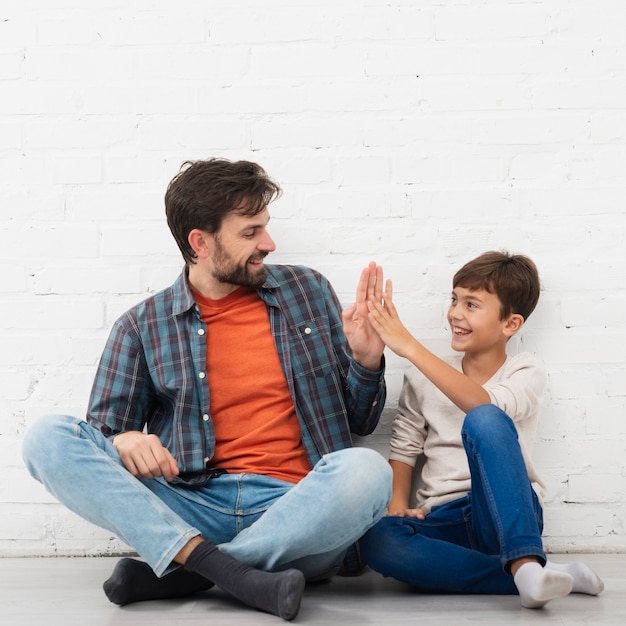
x=152, y=371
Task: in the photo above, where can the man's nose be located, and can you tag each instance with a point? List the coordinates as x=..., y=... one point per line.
x=267, y=244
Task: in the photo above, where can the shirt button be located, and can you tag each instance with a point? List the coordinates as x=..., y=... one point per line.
x=375, y=403
x=202, y=374
x=307, y=331
x=205, y=417
x=201, y=331
x=206, y=460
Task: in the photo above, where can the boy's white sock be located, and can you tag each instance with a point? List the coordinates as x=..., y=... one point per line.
x=538, y=585
x=585, y=579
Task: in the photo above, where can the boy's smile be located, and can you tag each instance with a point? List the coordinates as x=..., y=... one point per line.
x=474, y=318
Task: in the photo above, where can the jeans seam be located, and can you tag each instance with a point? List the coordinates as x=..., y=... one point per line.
x=186, y=531
x=238, y=511
x=495, y=518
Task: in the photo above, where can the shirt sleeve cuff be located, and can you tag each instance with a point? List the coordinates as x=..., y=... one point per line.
x=369, y=376
x=408, y=460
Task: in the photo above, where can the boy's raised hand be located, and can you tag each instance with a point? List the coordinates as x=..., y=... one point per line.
x=385, y=320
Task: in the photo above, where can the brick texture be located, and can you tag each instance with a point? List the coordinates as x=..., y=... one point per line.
x=415, y=134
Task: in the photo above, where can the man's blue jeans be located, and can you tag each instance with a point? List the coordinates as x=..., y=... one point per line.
x=464, y=546
x=261, y=521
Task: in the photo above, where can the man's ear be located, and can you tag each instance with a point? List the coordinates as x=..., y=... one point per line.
x=513, y=324
x=201, y=243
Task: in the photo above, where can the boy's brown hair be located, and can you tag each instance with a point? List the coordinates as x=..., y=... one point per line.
x=512, y=277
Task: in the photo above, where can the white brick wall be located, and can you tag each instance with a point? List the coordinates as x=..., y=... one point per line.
x=415, y=134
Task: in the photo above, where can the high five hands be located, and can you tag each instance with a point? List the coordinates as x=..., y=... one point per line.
x=372, y=321
x=384, y=319
x=365, y=342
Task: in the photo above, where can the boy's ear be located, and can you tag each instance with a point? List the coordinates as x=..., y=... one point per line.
x=513, y=324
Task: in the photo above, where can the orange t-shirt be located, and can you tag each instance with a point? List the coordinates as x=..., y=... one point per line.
x=256, y=427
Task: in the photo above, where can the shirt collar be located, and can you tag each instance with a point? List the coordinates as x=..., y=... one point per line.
x=271, y=282
x=183, y=300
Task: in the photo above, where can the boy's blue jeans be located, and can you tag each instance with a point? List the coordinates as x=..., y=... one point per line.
x=464, y=546
x=261, y=521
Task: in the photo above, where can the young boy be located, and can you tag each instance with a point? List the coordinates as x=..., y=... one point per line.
x=478, y=522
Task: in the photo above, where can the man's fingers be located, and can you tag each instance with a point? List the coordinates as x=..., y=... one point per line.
x=170, y=468
x=162, y=462
x=378, y=283
x=363, y=286
x=144, y=456
x=130, y=465
x=137, y=466
x=348, y=313
x=374, y=276
x=370, y=283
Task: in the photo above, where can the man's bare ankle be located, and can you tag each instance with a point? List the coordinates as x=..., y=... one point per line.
x=187, y=549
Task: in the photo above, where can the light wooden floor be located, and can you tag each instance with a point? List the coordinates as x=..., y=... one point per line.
x=61, y=591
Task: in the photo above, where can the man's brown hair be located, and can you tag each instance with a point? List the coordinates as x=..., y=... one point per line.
x=511, y=277
x=203, y=193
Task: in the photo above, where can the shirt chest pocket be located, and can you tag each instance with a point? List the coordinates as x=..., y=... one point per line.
x=311, y=349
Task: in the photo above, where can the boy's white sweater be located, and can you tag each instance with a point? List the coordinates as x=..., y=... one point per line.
x=429, y=424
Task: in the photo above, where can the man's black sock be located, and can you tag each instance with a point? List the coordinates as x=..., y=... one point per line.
x=279, y=593
x=134, y=581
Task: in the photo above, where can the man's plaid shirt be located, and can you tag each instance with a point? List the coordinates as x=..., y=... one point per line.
x=152, y=371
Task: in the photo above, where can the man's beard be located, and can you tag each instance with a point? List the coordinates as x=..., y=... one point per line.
x=227, y=271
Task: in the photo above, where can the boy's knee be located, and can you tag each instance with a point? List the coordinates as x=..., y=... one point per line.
x=486, y=420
